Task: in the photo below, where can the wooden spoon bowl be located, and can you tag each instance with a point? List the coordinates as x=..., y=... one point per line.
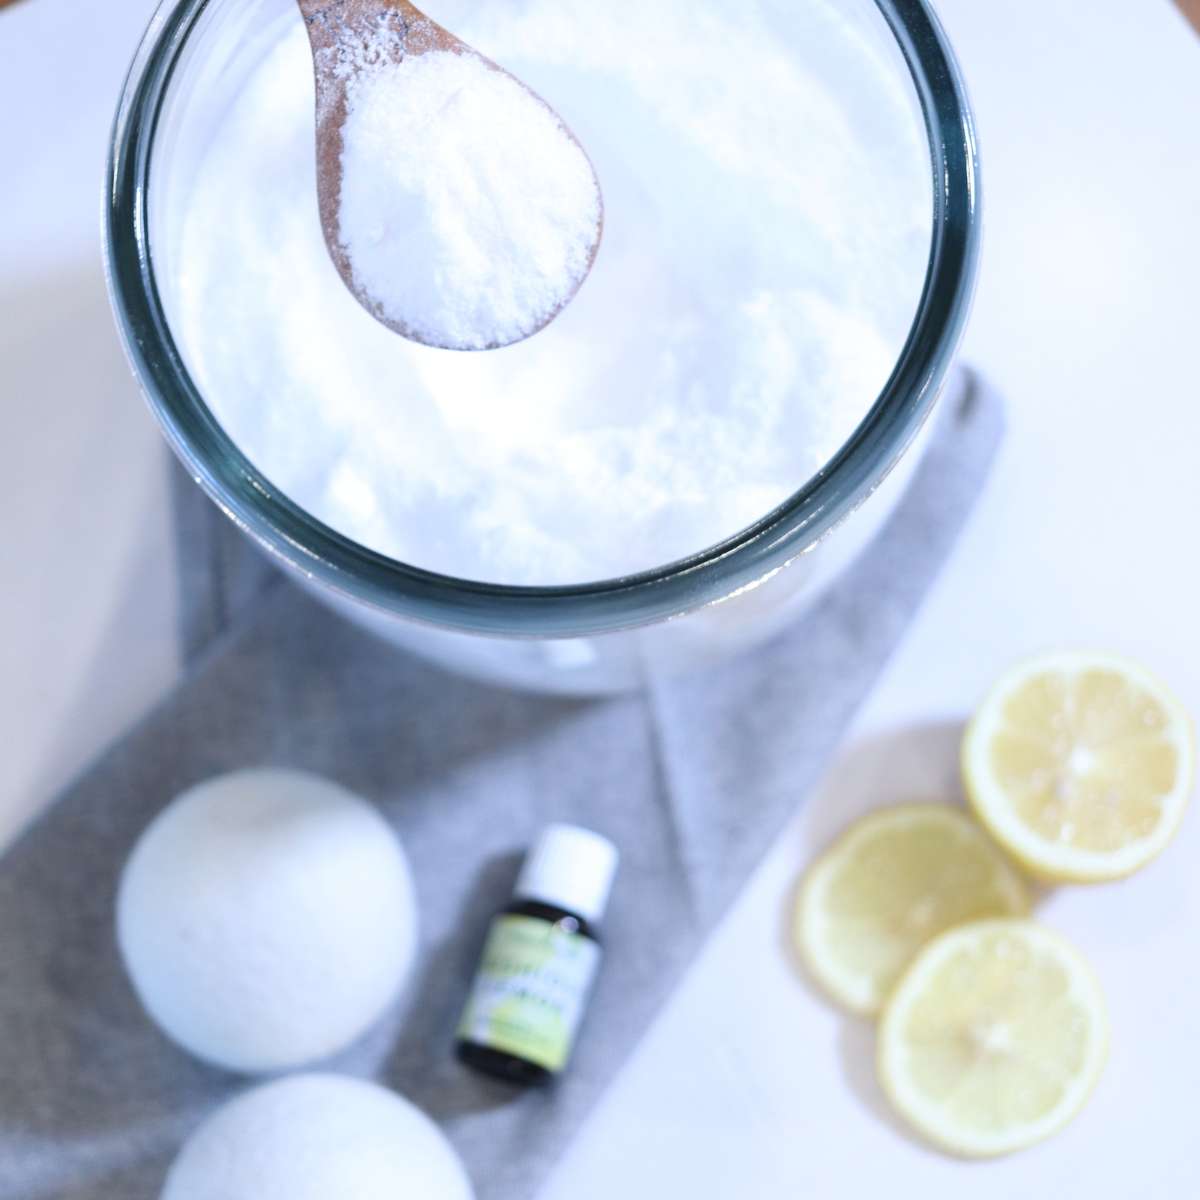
x=344, y=35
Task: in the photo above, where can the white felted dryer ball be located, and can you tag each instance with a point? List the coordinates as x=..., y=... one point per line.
x=267, y=919
x=318, y=1137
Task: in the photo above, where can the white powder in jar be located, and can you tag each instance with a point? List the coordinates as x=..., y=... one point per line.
x=468, y=212
x=767, y=191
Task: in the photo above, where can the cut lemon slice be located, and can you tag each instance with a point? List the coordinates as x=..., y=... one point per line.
x=1080, y=765
x=891, y=882
x=994, y=1038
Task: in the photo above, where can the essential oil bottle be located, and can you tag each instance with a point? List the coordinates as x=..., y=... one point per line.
x=540, y=961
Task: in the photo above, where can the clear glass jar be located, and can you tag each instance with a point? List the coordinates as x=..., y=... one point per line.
x=594, y=637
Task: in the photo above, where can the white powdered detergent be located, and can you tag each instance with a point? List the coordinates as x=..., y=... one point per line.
x=767, y=215
x=468, y=212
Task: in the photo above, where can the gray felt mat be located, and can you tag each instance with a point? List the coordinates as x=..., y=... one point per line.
x=692, y=780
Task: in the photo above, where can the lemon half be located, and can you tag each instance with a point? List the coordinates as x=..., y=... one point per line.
x=891, y=882
x=994, y=1038
x=1080, y=765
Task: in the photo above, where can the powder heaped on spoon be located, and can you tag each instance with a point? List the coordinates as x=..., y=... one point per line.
x=469, y=214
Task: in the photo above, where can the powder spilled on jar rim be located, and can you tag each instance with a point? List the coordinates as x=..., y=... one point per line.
x=469, y=214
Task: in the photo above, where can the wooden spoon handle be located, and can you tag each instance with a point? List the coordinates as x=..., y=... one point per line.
x=329, y=19
x=318, y=9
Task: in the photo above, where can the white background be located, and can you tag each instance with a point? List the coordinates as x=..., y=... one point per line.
x=1088, y=319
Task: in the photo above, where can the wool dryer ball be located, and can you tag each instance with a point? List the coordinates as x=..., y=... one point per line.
x=318, y=1137
x=267, y=919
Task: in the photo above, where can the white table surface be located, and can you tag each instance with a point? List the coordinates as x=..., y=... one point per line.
x=1087, y=318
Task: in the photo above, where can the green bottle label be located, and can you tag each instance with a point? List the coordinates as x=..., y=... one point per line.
x=531, y=990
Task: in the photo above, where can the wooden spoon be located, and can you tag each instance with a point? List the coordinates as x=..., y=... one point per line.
x=332, y=26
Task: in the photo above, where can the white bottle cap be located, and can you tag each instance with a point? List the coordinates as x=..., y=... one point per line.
x=572, y=868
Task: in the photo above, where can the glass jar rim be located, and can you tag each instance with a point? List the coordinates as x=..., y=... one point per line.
x=318, y=552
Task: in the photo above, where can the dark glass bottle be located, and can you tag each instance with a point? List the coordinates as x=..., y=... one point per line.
x=540, y=961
